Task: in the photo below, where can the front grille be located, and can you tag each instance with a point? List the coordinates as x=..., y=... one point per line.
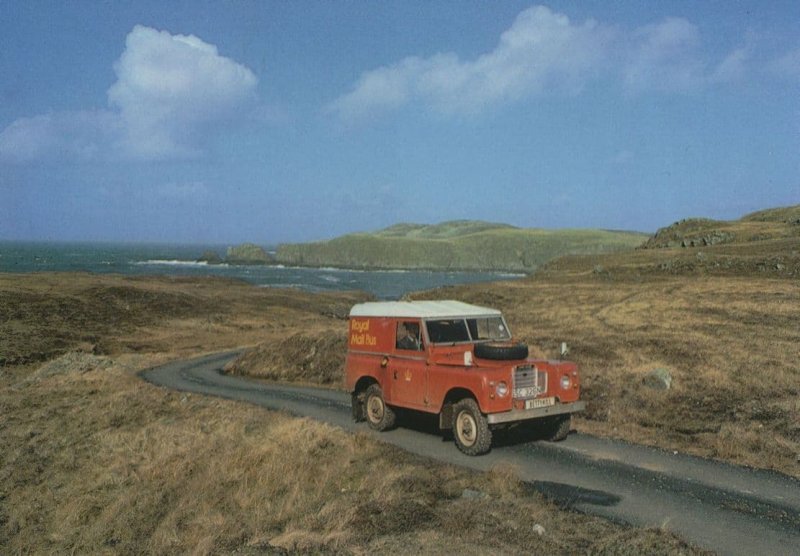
x=529, y=382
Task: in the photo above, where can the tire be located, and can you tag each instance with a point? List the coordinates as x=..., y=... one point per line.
x=501, y=352
x=470, y=428
x=379, y=416
x=556, y=429
x=357, y=406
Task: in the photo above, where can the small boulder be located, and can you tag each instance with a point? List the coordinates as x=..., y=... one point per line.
x=658, y=379
x=472, y=494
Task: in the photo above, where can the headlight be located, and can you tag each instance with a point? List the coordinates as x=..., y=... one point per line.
x=565, y=382
x=501, y=389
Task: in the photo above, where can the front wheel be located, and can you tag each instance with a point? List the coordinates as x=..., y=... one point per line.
x=470, y=428
x=556, y=428
x=379, y=416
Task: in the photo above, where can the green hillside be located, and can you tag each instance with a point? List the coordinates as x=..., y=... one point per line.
x=445, y=230
x=771, y=224
x=456, y=245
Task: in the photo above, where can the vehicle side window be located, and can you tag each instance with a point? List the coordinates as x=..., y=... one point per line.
x=447, y=331
x=408, y=336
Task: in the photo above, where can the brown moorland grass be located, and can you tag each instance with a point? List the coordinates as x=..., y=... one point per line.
x=304, y=357
x=94, y=460
x=47, y=314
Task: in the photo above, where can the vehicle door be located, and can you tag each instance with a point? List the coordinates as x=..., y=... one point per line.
x=407, y=368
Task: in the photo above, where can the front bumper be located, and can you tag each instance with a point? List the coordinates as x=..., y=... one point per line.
x=525, y=414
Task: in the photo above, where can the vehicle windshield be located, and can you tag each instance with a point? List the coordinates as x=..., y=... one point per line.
x=488, y=328
x=451, y=331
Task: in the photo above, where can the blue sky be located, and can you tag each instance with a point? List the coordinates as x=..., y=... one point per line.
x=223, y=122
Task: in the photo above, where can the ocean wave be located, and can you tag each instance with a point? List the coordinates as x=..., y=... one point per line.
x=175, y=262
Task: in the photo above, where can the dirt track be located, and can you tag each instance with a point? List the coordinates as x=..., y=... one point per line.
x=729, y=509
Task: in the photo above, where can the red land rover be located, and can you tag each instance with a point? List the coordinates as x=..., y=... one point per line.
x=458, y=361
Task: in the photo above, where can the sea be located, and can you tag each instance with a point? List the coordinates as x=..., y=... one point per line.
x=181, y=260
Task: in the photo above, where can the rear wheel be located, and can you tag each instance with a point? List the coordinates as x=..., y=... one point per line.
x=470, y=428
x=357, y=406
x=379, y=416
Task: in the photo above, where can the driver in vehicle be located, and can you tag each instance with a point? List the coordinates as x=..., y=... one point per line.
x=408, y=336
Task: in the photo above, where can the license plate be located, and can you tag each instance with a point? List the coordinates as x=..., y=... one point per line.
x=526, y=392
x=539, y=402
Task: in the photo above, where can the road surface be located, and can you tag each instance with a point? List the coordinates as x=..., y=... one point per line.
x=725, y=508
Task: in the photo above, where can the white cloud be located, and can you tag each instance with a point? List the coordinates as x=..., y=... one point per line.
x=171, y=92
x=542, y=50
x=668, y=57
x=171, y=87
x=82, y=135
x=380, y=89
x=663, y=57
x=733, y=67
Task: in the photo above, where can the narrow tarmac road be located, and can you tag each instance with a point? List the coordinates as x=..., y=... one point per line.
x=725, y=508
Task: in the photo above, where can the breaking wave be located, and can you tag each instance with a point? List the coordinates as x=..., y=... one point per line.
x=175, y=262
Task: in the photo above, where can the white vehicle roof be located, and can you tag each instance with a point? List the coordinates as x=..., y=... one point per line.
x=421, y=309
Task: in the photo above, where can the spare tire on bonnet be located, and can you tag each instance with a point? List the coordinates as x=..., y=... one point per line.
x=501, y=352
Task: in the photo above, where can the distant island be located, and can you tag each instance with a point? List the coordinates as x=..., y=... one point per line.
x=247, y=253
x=244, y=254
x=466, y=245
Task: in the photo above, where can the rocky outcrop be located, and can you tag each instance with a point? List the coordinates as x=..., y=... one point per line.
x=247, y=253
x=210, y=257
x=771, y=224
x=708, y=239
x=691, y=232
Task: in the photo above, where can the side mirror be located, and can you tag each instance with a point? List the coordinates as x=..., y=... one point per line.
x=564, y=349
x=467, y=358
